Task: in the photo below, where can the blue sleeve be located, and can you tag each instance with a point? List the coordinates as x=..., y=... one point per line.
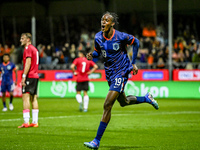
x=13, y=66
x=95, y=54
x=97, y=49
x=136, y=45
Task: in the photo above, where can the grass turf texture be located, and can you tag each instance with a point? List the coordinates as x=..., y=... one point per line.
x=175, y=126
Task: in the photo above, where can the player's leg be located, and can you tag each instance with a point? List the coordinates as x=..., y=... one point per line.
x=4, y=101
x=11, y=89
x=34, y=102
x=78, y=95
x=27, y=91
x=35, y=111
x=86, y=97
x=130, y=100
x=108, y=104
x=11, y=107
x=79, y=100
x=26, y=110
x=86, y=101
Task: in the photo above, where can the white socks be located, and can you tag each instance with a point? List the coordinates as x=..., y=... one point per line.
x=79, y=98
x=86, y=102
x=35, y=115
x=26, y=115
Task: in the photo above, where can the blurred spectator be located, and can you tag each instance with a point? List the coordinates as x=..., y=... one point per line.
x=149, y=31
x=143, y=57
x=178, y=60
x=80, y=47
x=181, y=56
x=189, y=66
x=14, y=55
x=7, y=49
x=48, y=52
x=188, y=56
x=55, y=58
x=72, y=52
x=196, y=58
x=160, y=63
x=65, y=52
x=179, y=44
x=84, y=36
x=160, y=32
x=1, y=53
x=42, y=54
x=150, y=61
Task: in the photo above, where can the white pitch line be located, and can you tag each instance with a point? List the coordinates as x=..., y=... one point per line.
x=132, y=113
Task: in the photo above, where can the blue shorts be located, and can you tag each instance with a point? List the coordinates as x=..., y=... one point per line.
x=7, y=87
x=118, y=84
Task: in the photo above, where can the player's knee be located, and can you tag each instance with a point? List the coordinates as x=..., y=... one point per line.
x=107, y=106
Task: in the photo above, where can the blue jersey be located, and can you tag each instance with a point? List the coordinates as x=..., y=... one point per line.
x=7, y=73
x=114, y=52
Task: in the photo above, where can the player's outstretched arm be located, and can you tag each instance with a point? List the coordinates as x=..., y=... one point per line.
x=135, y=69
x=136, y=45
x=16, y=76
x=135, y=52
x=92, y=55
x=89, y=56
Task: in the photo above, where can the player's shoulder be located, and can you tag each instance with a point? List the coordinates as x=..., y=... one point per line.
x=31, y=47
x=11, y=63
x=121, y=34
x=76, y=60
x=98, y=35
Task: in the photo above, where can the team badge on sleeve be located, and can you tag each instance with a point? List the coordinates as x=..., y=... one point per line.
x=115, y=46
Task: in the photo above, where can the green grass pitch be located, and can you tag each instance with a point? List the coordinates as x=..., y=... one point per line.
x=175, y=126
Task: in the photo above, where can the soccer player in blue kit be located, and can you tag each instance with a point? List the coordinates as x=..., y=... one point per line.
x=111, y=44
x=7, y=84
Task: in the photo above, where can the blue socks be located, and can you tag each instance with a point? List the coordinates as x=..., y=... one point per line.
x=4, y=104
x=101, y=129
x=141, y=99
x=11, y=99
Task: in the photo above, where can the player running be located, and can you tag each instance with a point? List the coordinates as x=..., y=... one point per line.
x=111, y=44
x=7, y=83
x=82, y=71
x=29, y=81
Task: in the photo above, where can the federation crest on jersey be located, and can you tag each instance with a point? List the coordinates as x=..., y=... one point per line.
x=116, y=46
x=8, y=67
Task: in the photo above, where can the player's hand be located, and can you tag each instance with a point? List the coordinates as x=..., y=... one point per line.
x=135, y=69
x=75, y=73
x=15, y=83
x=23, y=82
x=89, y=72
x=89, y=56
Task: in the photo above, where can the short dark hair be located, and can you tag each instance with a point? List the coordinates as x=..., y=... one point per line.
x=28, y=35
x=114, y=15
x=6, y=54
x=83, y=52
